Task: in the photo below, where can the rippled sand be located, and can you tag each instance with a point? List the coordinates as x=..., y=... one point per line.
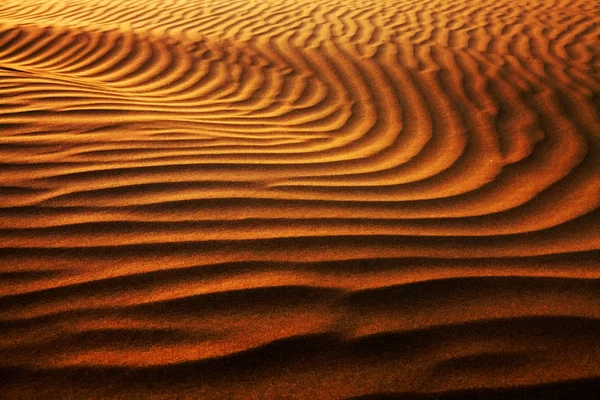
x=299, y=198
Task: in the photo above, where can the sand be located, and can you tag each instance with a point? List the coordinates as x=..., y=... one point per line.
x=299, y=199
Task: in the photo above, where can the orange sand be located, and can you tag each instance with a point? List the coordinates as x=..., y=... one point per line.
x=299, y=198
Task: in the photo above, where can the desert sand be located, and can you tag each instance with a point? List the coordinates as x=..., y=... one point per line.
x=299, y=199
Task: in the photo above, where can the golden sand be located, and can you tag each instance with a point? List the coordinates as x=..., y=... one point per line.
x=299, y=198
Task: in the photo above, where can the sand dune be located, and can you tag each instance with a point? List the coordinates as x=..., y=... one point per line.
x=299, y=199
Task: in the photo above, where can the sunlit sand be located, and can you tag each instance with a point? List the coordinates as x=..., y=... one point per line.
x=299, y=199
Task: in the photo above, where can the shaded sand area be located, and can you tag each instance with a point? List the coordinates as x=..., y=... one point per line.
x=299, y=198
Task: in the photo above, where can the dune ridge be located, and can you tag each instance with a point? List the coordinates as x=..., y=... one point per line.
x=332, y=199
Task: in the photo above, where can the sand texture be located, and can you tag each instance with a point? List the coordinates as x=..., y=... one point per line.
x=299, y=199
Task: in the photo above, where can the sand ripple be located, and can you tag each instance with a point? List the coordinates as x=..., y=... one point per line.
x=300, y=198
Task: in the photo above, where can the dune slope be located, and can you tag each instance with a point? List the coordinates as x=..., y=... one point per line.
x=299, y=198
